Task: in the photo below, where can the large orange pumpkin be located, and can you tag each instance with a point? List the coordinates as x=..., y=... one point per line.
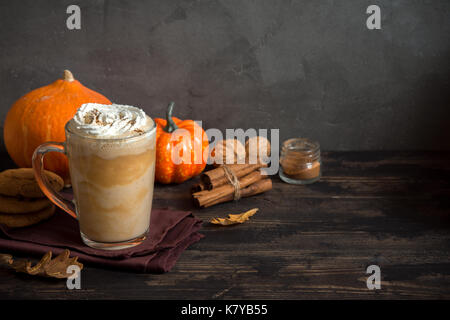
x=40, y=116
x=171, y=142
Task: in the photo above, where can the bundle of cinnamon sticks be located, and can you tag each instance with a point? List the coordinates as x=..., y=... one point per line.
x=215, y=186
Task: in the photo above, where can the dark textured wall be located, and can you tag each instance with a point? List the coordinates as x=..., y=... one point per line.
x=308, y=67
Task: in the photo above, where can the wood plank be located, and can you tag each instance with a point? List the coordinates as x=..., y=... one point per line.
x=385, y=208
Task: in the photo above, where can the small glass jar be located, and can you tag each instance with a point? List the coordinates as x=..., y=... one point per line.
x=300, y=161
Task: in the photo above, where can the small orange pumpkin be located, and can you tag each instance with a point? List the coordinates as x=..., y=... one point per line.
x=40, y=116
x=190, y=149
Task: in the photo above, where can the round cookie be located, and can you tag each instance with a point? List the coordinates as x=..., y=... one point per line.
x=21, y=182
x=27, y=219
x=13, y=205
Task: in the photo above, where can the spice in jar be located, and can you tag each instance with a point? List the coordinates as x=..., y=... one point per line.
x=300, y=161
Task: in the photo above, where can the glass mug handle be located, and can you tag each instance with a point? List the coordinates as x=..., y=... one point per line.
x=38, y=168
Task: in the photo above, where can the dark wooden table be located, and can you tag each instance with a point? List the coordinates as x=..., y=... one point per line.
x=391, y=209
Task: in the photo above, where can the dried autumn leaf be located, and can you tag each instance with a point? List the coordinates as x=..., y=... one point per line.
x=46, y=267
x=235, y=218
x=5, y=259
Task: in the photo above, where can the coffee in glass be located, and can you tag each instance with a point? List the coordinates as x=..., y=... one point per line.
x=111, y=152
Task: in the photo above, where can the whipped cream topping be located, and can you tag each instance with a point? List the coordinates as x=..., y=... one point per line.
x=110, y=121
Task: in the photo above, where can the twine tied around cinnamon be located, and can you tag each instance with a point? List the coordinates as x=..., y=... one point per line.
x=234, y=181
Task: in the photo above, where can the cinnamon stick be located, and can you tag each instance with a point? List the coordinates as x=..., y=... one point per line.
x=225, y=193
x=198, y=187
x=260, y=186
x=216, y=177
x=217, y=194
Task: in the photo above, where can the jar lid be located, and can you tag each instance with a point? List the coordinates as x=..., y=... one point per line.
x=303, y=145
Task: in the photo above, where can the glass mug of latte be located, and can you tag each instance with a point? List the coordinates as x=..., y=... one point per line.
x=111, y=153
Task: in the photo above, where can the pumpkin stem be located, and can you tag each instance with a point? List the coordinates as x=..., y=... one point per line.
x=68, y=76
x=171, y=126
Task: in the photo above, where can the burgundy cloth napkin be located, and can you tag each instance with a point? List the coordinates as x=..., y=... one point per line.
x=171, y=232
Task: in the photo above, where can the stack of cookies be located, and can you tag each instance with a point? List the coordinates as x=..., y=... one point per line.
x=22, y=203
